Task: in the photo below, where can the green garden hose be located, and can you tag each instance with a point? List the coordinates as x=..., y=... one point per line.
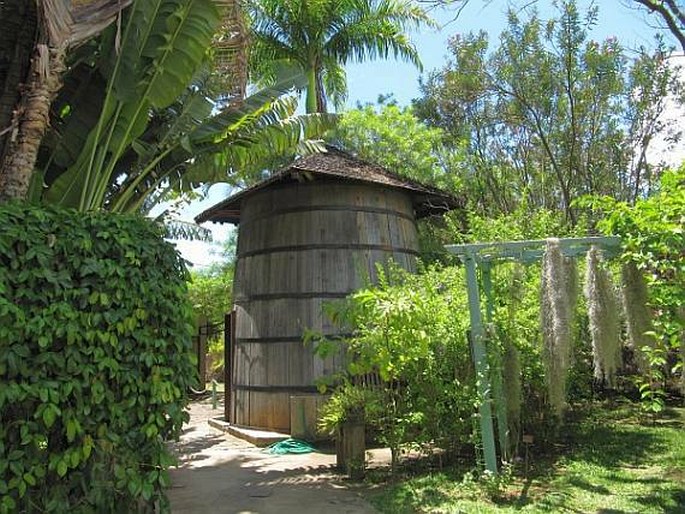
x=290, y=445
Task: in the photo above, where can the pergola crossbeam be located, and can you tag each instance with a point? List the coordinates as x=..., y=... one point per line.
x=531, y=251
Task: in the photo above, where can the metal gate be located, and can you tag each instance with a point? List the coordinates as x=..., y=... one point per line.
x=205, y=332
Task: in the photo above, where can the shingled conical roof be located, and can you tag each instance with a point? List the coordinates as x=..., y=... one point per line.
x=337, y=164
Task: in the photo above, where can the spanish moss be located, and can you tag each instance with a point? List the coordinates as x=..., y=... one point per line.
x=603, y=314
x=558, y=300
x=638, y=314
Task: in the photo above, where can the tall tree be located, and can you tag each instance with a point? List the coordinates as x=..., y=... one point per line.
x=322, y=36
x=671, y=13
x=395, y=138
x=550, y=114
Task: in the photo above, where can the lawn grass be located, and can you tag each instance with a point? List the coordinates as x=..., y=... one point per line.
x=610, y=461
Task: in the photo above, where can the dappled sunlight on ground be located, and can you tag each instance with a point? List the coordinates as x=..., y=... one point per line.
x=219, y=473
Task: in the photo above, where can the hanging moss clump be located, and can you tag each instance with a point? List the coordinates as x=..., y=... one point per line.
x=638, y=314
x=603, y=314
x=558, y=300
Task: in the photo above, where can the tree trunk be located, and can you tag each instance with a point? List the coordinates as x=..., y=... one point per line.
x=45, y=80
x=320, y=93
x=18, y=29
x=312, y=106
x=57, y=25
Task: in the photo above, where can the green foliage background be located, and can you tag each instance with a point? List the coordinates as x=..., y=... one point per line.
x=653, y=237
x=545, y=114
x=95, y=332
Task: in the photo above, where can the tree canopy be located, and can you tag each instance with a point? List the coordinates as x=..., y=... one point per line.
x=549, y=114
x=395, y=138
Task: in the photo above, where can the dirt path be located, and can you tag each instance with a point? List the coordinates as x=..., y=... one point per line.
x=219, y=473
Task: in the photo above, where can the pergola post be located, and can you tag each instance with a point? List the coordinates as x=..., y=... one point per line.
x=480, y=361
x=496, y=372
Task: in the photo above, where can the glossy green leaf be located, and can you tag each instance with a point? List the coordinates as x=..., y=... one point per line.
x=81, y=425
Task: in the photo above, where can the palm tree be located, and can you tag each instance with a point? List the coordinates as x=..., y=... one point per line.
x=321, y=36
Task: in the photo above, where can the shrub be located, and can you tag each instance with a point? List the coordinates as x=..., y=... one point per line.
x=407, y=332
x=215, y=358
x=94, y=360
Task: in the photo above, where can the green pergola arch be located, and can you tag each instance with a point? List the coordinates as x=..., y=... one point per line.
x=481, y=257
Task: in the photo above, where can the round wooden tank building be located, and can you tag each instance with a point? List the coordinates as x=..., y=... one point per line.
x=309, y=234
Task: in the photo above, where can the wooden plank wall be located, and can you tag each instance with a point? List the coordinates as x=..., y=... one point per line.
x=300, y=246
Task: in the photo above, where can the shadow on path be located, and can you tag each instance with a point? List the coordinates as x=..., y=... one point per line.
x=219, y=473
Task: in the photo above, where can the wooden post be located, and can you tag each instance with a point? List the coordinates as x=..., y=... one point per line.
x=496, y=372
x=202, y=354
x=229, y=319
x=351, y=449
x=303, y=414
x=480, y=361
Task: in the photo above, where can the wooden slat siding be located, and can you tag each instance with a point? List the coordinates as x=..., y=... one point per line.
x=229, y=349
x=328, y=208
x=291, y=261
x=328, y=193
x=335, y=228
x=232, y=361
x=282, y=319
x=343, y=265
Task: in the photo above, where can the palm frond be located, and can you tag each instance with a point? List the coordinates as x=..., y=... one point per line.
x=372, y=38
x=323, y=35
x=236, y=143
x=253, y=148
x=175, y=228
x=335, y=81
x=163, y=45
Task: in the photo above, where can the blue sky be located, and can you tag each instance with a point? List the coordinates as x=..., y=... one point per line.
x=367, y=81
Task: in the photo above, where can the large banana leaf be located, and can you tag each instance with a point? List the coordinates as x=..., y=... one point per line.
x=164, y=43
x=70, y=23
x=228, y=145
x=155, y=129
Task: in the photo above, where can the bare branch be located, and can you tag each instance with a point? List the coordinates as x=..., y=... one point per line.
x=672, y=14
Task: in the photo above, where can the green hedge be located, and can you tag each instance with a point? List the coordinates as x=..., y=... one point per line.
x=94, y=360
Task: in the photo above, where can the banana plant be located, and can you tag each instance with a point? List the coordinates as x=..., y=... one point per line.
x=136, y=120
x=231, y=145
x=37, y=36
